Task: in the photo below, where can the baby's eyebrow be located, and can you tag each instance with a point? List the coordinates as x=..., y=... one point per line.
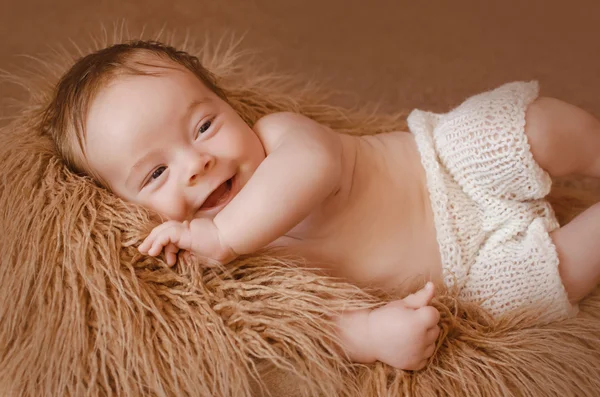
x=193, y=105
x=138, y=164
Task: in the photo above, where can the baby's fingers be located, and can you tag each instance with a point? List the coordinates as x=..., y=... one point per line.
x=429, y=316
x=432, y=334
x=420, y=298
x=171, y=235
x=148, y=242
x=171, y=251
x=421, y=365
x=429, y=351
x=143, y=247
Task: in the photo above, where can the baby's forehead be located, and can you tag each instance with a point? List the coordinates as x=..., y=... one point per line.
x=160, y=72
x=146, y=59
x=147, y=79
x=144, y=65
x=133, y=102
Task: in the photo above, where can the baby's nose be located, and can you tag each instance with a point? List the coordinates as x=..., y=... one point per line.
x=199, y=167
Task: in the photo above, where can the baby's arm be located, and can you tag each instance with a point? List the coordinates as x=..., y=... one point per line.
x=303, y=166
x=402, y=333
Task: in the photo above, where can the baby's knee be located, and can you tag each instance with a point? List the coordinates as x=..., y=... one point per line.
x=563, y=138
x=579, y=253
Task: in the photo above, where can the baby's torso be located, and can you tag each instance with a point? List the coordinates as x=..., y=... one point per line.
x=378, y=229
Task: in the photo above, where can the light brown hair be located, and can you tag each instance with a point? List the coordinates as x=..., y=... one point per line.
x=65, y=116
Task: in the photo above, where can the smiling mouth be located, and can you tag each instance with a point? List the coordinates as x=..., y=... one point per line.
x=218, y=196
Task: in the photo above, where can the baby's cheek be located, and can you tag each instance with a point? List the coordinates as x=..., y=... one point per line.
x=169, y=206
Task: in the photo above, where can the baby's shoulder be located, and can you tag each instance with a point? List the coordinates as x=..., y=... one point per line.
x=299, y=130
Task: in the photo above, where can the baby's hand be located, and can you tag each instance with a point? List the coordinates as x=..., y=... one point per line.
x=403, y=333
x=200, y=236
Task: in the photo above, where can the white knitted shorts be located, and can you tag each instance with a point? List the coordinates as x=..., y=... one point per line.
x=487, y=194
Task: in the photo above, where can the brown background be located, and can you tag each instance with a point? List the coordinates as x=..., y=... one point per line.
x=403, y=54
x=406, y=54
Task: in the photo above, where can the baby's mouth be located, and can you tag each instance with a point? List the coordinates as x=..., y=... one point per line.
x=218, y=196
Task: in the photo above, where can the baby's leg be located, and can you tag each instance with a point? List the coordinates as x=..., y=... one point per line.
x=578, y=247
x=564, y=139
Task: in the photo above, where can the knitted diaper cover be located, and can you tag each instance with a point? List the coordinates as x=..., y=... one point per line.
x=487, y=194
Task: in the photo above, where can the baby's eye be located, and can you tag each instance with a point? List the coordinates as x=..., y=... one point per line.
x=158, y=172
x=204, y=127
x=153, y=176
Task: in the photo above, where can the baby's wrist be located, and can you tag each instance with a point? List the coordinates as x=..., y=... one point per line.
x=226, y=252
x=208, y=241
x=374, y=334
x=355, y=335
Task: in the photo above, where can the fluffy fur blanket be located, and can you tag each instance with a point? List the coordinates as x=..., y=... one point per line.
x=83, y=313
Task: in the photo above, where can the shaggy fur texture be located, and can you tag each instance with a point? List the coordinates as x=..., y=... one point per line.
x=83, y=313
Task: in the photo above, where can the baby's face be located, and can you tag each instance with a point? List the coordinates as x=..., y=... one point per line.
x=170, y=144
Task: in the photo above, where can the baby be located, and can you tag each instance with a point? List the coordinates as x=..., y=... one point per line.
x=460, y=200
